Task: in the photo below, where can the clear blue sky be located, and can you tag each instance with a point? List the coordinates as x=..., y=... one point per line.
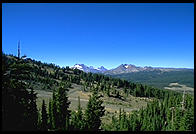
x=108, y=34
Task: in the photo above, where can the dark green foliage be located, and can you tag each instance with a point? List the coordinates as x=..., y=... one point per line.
x=75, y=79
x=77, y=71
x=20, y=112
x=160, y=79
x=62, y=106
x=80, y=118
x=187, y=121
x=77, y=120
x=33, y=112
x=44, y=123
x=50, y=115
x=94, y=112
x=59, y=114
x=39, y=121
x=158, y=116
x=65, y=77
x=54, y=111
x=15, y=105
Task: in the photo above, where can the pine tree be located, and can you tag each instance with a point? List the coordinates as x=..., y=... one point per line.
x=94, y=112
x=54, y=111
x=80, y=122
x=178, y=116
x=62, y=106
x=44, y=123
x=39, y=121
x=187, y=122
x=73, y=125
x=115, y=124
x=32, y=112
x=77, y=121
x=120, y=116
x=122, y=120
x=50, y=115
x=17, y=103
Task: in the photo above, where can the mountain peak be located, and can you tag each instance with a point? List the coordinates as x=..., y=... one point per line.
x=78, y=66
x=102, y=69
x=123, y=68
x=89, y=69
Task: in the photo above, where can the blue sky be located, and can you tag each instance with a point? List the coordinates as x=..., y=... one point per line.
x=108, y=34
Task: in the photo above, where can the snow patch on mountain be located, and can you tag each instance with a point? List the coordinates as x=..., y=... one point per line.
x=123, y=68
x=126, y=66
x=77, y=66
x=89, y=69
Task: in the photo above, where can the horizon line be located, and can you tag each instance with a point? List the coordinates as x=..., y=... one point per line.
x=106, y=67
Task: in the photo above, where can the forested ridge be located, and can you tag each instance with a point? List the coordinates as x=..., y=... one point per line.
x=160, y=79
x=167, y=111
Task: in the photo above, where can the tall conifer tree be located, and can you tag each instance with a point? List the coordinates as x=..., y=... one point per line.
x=44, y=123
x=62, y=106
x=94, y=112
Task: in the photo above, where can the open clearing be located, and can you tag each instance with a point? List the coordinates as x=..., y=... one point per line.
x=112, y=105
x=179, y=87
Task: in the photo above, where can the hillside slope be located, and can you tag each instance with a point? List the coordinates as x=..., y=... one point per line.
x=134, y=99
x=160, y=79
x=45, y=78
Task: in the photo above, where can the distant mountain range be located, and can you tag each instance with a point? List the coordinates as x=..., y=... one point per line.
x=89, y=69
x=123, y=68
x=156, y=76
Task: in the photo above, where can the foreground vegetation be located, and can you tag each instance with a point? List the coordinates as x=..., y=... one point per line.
x=169, y=110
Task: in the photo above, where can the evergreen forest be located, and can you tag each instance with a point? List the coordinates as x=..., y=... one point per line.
x=22, y=76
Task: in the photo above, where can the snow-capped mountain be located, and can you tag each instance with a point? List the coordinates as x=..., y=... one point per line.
x=128, y=68
x=89, y=69
x=123, y=68
x=102, y=69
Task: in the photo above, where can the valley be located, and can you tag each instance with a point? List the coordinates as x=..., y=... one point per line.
x=111, y=104
x=161, y=79
x=97, y=67
x=180, y=88
x=155, y=76
x=124, y=103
